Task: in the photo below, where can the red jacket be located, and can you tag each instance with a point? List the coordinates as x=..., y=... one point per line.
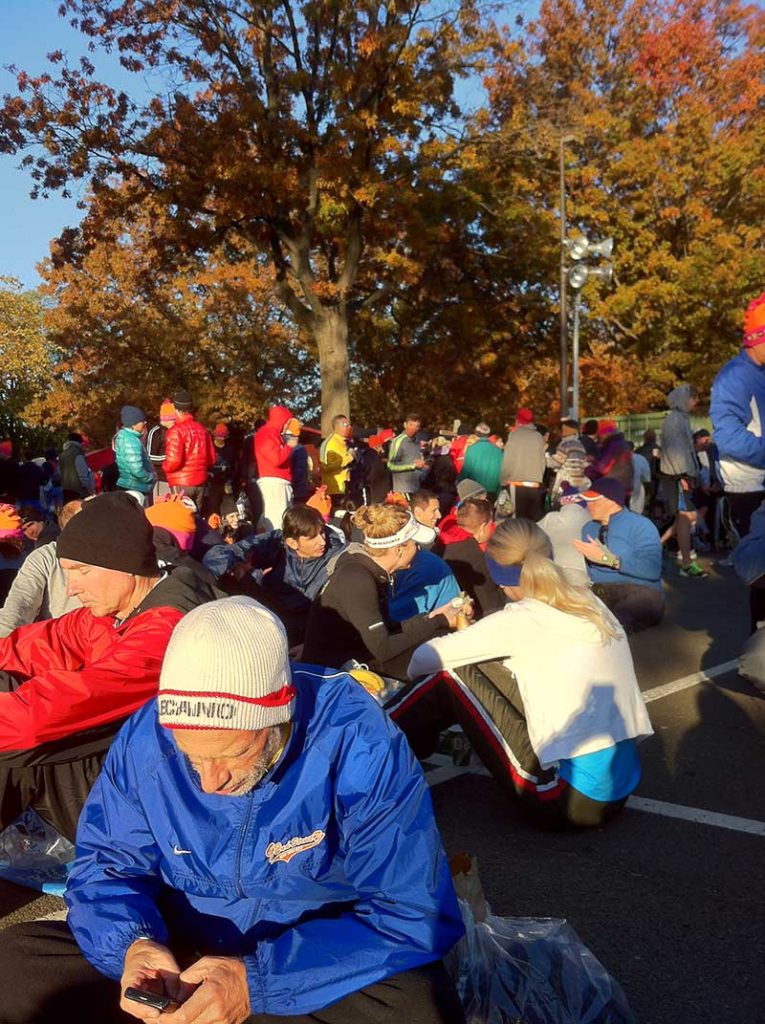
x=189, y=453
x=271, y=453
x=81, y=673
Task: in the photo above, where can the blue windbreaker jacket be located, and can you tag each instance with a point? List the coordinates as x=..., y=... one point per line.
x=737, y=409
x=329, y=876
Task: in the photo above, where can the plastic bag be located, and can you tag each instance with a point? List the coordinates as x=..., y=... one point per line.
x=32, y=853
x=528, y=970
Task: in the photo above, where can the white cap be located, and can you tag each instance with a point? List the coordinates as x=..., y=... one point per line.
x=226, y=667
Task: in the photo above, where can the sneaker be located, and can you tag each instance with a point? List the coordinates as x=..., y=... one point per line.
x=694, y=571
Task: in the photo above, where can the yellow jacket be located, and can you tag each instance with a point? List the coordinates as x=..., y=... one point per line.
x=335, y=460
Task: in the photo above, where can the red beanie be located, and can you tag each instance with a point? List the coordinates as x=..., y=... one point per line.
x=524, y=416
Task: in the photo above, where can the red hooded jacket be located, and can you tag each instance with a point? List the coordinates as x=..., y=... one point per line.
x=271, y=453
x=189, y=453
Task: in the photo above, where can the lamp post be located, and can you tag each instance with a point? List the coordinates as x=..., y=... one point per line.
x=563, y=273
x=578, y=275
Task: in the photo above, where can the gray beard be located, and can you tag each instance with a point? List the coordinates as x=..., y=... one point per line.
x=259, y=768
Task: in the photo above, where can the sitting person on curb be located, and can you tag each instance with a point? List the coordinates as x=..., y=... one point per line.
x=67, y=684
x=545, y=690
x=39, y=591
x=260, y=846
x=350, y=621
x=284, y=569
x=462, y=545
x=623, y=553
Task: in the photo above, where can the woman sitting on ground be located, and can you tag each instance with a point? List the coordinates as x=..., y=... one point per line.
x=349, y=620
x=544, y=689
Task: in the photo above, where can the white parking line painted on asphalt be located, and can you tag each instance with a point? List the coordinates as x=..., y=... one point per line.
x=706, y=675
x=695, y=814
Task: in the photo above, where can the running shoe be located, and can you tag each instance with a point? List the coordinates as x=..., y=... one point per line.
x=694, y=571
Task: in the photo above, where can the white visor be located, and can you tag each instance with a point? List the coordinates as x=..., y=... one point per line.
x=411, y=530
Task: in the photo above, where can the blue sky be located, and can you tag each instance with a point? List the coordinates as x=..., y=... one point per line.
x=30, y=29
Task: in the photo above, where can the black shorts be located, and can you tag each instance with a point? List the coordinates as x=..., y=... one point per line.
x=674, y=498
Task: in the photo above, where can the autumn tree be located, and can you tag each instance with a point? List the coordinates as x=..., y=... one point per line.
x=25, y=351
x=128, y=328
x=663, y=103
x=300, y=132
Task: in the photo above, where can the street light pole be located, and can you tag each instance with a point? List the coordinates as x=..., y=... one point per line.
x=563, y=330
x=575, y=360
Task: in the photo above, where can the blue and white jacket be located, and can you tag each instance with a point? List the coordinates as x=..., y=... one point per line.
x=327, y=877
x=738, y=416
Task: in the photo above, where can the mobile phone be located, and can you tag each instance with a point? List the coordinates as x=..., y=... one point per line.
x=152, y=999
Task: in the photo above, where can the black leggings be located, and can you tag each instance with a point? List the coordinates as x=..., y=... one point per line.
x=486, y=702
x=60, y=985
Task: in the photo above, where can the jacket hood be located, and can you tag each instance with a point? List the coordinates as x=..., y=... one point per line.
x=182, y=589
x=453, y=533
x=679, y=398
x=356, y=553
x=73, y=444
x=278, y=416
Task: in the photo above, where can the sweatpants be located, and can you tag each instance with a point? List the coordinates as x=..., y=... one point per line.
x=277, y=498
x=742, y=505
x=486, y=702
x=54, y=778
x=60, y=985
x=195, y=492
x=528, y=502
x=636, y=607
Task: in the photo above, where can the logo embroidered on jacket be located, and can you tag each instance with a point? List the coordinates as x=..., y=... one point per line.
x=286, y=851
x=178, y=851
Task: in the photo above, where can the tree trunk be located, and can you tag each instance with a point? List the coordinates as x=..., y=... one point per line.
x=331, y=336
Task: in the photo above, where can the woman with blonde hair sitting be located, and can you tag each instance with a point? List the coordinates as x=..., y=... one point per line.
x=349, y=620
x=544, y=689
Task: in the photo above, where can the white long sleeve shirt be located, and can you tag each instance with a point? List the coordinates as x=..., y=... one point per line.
x=580, y=693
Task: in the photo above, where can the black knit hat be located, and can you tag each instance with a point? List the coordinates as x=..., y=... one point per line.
x=182, y=400
x=111, y=531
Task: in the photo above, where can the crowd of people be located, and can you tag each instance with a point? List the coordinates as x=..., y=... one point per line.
x=221, y=671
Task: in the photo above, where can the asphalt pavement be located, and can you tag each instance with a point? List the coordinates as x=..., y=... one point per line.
x=669, y=896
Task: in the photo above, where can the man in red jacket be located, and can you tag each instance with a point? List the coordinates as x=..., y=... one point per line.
x=272, y=454
x=67, y=684
x=189, y=452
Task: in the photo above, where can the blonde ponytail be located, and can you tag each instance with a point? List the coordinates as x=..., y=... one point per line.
x=521, y=542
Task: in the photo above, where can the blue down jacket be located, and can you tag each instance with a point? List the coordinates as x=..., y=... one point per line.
x=328, y=876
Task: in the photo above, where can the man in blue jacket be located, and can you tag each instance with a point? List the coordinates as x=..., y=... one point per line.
x=738, y=417
x=260, y=846
x=623, y=553
x=284, y=569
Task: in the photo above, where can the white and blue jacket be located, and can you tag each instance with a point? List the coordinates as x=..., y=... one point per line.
x=738, y=416
x=328, y=876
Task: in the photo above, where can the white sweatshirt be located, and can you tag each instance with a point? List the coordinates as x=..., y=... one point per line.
x=580, y=694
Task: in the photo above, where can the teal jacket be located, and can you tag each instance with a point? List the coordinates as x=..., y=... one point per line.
x=483, y=463
x=136, y=471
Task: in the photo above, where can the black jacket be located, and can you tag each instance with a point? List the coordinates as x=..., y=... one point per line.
x=349, y=620
x=466, y=560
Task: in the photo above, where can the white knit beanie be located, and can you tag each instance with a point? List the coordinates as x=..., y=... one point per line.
x=226, y=667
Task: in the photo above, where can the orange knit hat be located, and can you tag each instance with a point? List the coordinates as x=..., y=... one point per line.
x=754, y=322
x=10, y=524
x=292, y=426
x=221, y=430
x=321, y=501
x=167, y=411
x=173, y=514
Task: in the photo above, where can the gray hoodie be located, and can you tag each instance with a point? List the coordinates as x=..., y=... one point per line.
x=678, y=456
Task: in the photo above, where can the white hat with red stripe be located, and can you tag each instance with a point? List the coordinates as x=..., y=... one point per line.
x=226, y=667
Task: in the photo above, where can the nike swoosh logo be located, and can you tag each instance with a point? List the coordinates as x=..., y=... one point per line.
x=178, y=851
